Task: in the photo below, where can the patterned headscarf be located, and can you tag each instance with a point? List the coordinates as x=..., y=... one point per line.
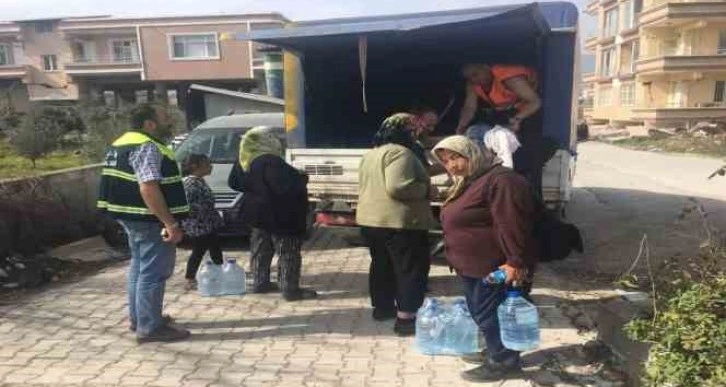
x=256, y=142
x=395, y=130
x=480, y=162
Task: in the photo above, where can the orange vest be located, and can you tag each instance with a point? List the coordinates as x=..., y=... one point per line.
x=499, y=96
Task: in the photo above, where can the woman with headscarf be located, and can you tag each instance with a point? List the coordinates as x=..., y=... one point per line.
x=275, y=205
x=394, y=214
x=487, y=220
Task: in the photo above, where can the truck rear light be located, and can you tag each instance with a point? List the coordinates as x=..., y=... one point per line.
x=335, y=219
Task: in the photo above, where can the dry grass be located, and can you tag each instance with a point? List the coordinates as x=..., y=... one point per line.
x=13, y=165
x=678, y=143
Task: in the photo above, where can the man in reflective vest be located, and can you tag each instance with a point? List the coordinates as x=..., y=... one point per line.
x=141, y=187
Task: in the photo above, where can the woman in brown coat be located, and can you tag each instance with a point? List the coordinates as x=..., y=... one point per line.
x=487, y=221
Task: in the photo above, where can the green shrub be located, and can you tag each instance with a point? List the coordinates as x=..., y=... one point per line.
x=688, y=331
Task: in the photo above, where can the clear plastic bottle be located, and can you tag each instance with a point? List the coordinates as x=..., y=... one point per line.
x=209, y=279
x=428, y=327
x=234, y=281
x=462, y=332
x=518, y=322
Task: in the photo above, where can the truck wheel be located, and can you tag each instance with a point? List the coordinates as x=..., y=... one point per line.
x=113, y=234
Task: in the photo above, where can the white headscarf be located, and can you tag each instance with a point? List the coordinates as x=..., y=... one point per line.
x=480, y=162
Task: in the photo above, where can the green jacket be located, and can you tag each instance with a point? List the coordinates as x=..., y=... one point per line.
x=394, y=190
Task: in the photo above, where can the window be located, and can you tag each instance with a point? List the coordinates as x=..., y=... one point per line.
x=604, y=97
x=142, y=96
x=722, y=42
x=50, y=62
x=611, y=23
x=82, y=51
x=627, y=94
x=719, y=92
x=44, y=27
x=125, y=51
x=628, y=17
x=6, y=55
x=607, y=62
x=204, y=46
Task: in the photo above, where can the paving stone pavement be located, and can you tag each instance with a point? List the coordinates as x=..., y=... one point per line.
x=77, y=335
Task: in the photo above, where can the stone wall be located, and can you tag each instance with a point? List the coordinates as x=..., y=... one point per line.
x=40, y=212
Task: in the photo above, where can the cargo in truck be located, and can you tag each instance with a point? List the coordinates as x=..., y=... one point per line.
x=343, y=77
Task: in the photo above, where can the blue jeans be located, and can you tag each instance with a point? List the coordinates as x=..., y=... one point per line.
x=483, y=300
x=476, y=133
x=152, y=263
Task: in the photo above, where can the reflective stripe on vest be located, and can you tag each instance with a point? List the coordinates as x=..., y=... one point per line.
x=137, y=210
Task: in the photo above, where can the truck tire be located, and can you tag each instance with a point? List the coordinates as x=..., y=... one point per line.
x=113, y=234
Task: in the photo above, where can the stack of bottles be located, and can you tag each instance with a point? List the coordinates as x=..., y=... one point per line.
x=446, y=328
x=221, y=280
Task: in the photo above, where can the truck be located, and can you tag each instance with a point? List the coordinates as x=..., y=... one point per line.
x=342, y=77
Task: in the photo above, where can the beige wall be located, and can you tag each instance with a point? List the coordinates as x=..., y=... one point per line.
x=47, y=84
x=234, y=62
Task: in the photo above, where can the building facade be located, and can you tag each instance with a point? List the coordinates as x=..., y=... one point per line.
x=124, y=60
x=658, y=62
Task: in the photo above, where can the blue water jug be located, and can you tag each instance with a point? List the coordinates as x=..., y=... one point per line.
x=209, y=279
x=518, y=322
x=462, y=333
x=234, y=280
x=429, y=327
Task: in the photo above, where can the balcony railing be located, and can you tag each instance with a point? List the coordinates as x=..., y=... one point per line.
x=105, y=60
x=681, y=63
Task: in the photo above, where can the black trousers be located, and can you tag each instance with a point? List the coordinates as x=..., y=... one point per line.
x=200, y=246
x=483, y=300
x=399, y=270
x=263, y=246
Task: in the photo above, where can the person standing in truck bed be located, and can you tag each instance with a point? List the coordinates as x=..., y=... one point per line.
x=507, y=95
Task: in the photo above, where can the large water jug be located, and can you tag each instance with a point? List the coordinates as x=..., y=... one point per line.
x=234, y=281
x=462, y=333
x=429, y=328
x=518, y=322
x=209, y=279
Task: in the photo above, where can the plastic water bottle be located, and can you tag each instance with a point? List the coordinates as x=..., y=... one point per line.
x=209, y=279
x=428, y=327
x=518, y=323
x=498, y=276
x=233, y=278
x=462, y=333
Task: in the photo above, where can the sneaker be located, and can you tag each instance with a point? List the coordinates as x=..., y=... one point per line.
x=165, y=319
x=383, y=314
x=300, y=294
x=405, y=327
x=266, y=287
x=165, y=334
x=474, y=358
x=492, y=371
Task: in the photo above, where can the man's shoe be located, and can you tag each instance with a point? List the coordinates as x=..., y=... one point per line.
x=165, y=319
x=383, y=314
x=405, y=327
x=474, y=358
x=300, y=294
x=492, y=372
x=165, y=334
x=266, y=287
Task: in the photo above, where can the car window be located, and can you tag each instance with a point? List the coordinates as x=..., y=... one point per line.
x=220, y=145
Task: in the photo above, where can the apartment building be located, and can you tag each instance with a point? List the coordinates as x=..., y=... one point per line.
x=128, y=60
x=658, y=62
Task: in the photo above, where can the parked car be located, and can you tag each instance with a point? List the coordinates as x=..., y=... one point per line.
x=219, y=139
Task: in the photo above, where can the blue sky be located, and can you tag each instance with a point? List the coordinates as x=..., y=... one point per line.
x=293, y=9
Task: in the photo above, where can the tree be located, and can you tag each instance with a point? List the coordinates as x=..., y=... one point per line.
x=37, y=136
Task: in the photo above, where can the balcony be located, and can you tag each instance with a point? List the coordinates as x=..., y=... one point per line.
x=591, y=42
x=592, y=7
x=670, y=14
x=12, y=71
x=681, y=63
x=679, y=114
x=103, y=65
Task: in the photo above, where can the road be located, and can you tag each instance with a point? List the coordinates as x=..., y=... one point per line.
x=622, y=194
